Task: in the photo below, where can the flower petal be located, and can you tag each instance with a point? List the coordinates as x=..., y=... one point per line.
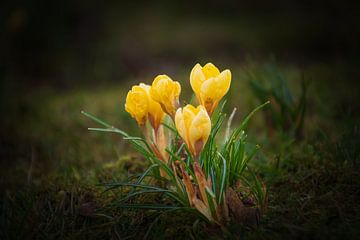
x=224, y=81
x=137, y=104
x=210, y=71
x=200, y=127
x=197, y=78
x=180, y=125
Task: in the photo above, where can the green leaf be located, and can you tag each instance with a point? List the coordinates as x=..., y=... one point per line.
x=248, y=117
x=101, y=122
x=126, y=184
x=222, y=180
x=149, y=206
x=211, y=203
x=170, y=128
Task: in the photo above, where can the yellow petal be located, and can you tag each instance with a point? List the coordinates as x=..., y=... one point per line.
x=180, y=124
x=166, y=92
x=176, y=89
x=156, y=113
x=210, y=71
x=224, y=81
x=137, y=104
x=200, y=128
x=194, y=126
x=157, y=87
x=144, y=86
x=183, y=120
x=215, y=88
x=189, y=112
x=197, y=78
x=208, y=94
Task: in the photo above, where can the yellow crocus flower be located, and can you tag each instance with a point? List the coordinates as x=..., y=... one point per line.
x=142, y=107
x=166, y=92
x=209, y=85
x=194, y=126
x=137, y=104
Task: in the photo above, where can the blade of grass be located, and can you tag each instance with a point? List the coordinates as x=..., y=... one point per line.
x=222, y=179
x=149, y=206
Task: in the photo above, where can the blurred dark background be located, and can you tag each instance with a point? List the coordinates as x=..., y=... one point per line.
x=66, y=43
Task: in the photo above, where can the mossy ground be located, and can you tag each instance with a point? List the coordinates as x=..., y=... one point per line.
x=51, y=165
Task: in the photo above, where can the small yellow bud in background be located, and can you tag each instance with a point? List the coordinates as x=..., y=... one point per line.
x=209, y=85
x=142, y=107
x=166, y=92
x=194, y=126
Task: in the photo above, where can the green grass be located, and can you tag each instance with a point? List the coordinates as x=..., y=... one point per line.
x=51, y=165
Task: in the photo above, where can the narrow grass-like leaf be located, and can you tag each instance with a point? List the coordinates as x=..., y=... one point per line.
x=240, y=168
x=146, y=173
x=173, y=176
x=243, y=124
x=222, y=180
x=248, y=117
x=134, y=140
x=210, y=203
x=170, y=128
x=101, y=122
x=149, y=206
x=169, y=193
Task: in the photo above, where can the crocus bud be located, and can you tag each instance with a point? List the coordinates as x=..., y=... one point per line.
x=194, y=126
x=166, y=92
x=137, y=104
x=156, y=114
x=209, y=85
x=142, y=107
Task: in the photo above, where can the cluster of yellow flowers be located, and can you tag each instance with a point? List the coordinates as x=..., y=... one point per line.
x=151, y=103
x=202, y=182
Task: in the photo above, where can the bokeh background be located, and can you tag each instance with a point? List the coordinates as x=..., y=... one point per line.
x=60, y=57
